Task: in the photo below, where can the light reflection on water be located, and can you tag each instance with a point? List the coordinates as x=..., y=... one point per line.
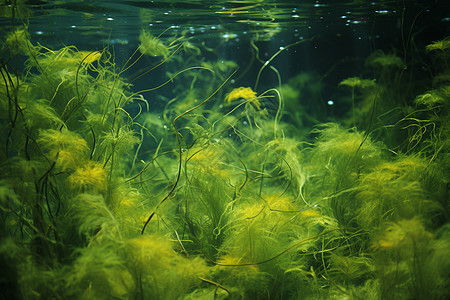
x=120, y=21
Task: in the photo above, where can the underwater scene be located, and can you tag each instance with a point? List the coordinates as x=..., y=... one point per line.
x=239, y=149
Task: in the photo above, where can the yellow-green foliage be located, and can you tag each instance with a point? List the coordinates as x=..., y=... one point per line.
x=291, y=97
x=18, y=8
x=8, y=198
x=437, y=265
x=25, y=277
x=354, y=82
x=393, y=191
x=241, y=280
x=151, y=45
x=404, y=237
x=67, y=61
x=40, y=115
x=103, y=200
x=99, y=272
x=121, y=142
x=256, y=228
x=212, y=159
x=366, y=87
x=433, y=98
x=255, y=235
x=95, y=219
x=66, y=148
x=406, y=255
x=156, y=122
x=70, y=80
x=208, y=200
x=126, y=204
x=387, y=68
x=351, y=268
x=261, y=229
x=440, y=45
x=286, y=160
x=439, y=52
x=19, y=177
x=245, y=93
x=382, y=60
x=18, y=42
x=221, y=64
x=88, y=177
x=12, y=89
x=158, y=270
x=344, y=153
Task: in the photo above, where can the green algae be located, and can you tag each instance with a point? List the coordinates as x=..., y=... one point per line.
x=217, y=196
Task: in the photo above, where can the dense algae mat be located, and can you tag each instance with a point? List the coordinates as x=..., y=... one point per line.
x=222, y=195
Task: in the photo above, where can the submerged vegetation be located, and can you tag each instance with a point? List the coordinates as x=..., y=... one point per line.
x=223, y=194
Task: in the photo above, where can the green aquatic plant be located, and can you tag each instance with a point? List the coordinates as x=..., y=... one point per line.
x=64, y=79
x=158, y=271
x=260, y=231
x=208, y=202
x=344, y=155
x=41, y=115
x=99, y=272
x=346, y=152
x=383, y=60
x=267, y=63
x=18, y=42
x=245, y=93
x=440, y=45
x=151, y=45
x=223, y=194
x=351, y=269
x=388, y=70
x=254, y=239
x=354, y=83
x=427, y=126
x=402, y=252
x=16, y=8
x=436, y=266
x=288, y=163
x=302, y=96
x=430, y=99
x=91, y=176
x=393, y=191
x=95, y=220
x=439, y=52
x=441, y=79
x=67, y=149
x=253, y=111
x=119, y=142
